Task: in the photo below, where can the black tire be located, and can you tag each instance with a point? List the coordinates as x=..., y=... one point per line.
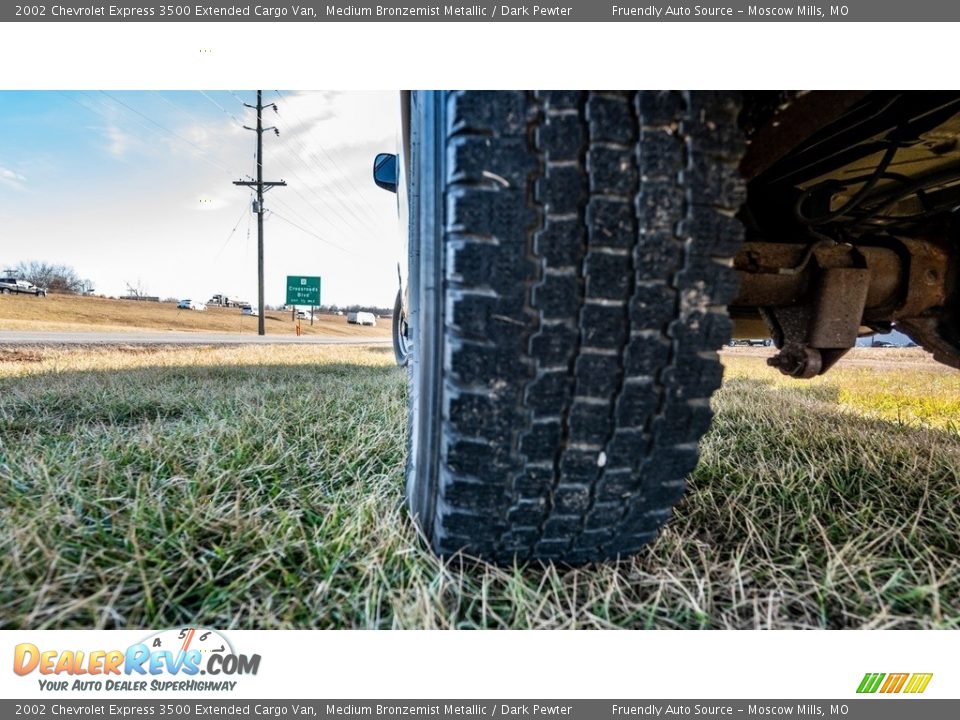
x=401, y=337
x=570, y=271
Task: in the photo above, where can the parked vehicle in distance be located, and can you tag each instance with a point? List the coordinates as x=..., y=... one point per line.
x=751, y=342
x=362, y=318
x=222, y=301
x=302, y=315
x=248, y=310
x=12, y=286
x=188, y=304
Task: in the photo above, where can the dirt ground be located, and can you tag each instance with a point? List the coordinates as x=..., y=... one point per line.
x=72, y=313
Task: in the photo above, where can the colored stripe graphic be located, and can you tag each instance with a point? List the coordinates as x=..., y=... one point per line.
x=894, y=683
x=918, y=682
x=870, y=682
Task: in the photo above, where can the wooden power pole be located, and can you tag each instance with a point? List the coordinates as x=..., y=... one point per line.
x=260, y=184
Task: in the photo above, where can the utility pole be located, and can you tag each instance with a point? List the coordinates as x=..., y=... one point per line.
x=260, y=185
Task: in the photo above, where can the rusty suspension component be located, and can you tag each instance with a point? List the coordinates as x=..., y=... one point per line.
x=816, y=299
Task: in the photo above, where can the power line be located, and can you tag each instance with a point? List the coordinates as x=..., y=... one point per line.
x=199, y=152
x=302, y=218
x=303, y=229
x=330, y=207
x=166, y=130
x=175, y=106
x=222, y=108
x=356, y=191
x=362, y=219
x=322, y=147
x=238, y=98
x=360, y=193
x=227, y=241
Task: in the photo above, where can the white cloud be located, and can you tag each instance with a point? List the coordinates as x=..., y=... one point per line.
x=11, y=178
x=118, y=141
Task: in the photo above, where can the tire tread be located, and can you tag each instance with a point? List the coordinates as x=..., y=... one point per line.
x=585, y=237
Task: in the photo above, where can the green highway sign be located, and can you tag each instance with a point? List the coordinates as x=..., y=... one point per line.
x=303, y=290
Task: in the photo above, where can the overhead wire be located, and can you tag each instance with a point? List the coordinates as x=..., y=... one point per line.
x=359, y=192
x=222, y=108
x=202, y=154
x=323, y=177
x=232, y=232
x=330, y=157
x=303, y=229
x=347, y=227
x=167, y=130
x=277, y=200
x=344, y=226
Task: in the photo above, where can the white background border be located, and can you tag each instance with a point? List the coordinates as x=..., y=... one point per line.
x=476, y=55
x=567, y=664
x=406, y=55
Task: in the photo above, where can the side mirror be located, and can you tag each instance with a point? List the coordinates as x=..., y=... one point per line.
x=385, y=171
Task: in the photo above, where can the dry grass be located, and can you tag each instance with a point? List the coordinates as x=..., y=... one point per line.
x=72, y=313
x=903, y=385
x=261, y=487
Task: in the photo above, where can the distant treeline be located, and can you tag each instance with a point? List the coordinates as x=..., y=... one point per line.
x=357, y=308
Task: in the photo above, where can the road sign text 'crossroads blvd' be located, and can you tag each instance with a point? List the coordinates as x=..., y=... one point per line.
x=303, y=290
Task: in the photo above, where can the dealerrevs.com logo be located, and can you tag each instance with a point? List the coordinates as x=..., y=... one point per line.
x=171, y=660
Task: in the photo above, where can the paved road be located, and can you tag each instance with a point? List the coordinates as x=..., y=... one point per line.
x=16, y=337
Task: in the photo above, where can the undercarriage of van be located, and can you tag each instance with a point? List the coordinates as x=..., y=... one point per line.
x=850, y=225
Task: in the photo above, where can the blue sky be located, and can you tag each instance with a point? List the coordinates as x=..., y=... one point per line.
x=136, y=188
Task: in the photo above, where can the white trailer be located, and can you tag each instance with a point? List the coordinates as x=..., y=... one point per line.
x=361, y=318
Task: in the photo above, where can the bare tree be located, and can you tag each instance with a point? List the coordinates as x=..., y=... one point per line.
x=52, y=276
x=136, y=291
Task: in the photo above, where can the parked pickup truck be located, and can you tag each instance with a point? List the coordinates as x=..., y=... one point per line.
x=9, y=285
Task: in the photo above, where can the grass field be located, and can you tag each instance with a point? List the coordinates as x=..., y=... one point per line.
x=260, y=487
x=75, y=313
